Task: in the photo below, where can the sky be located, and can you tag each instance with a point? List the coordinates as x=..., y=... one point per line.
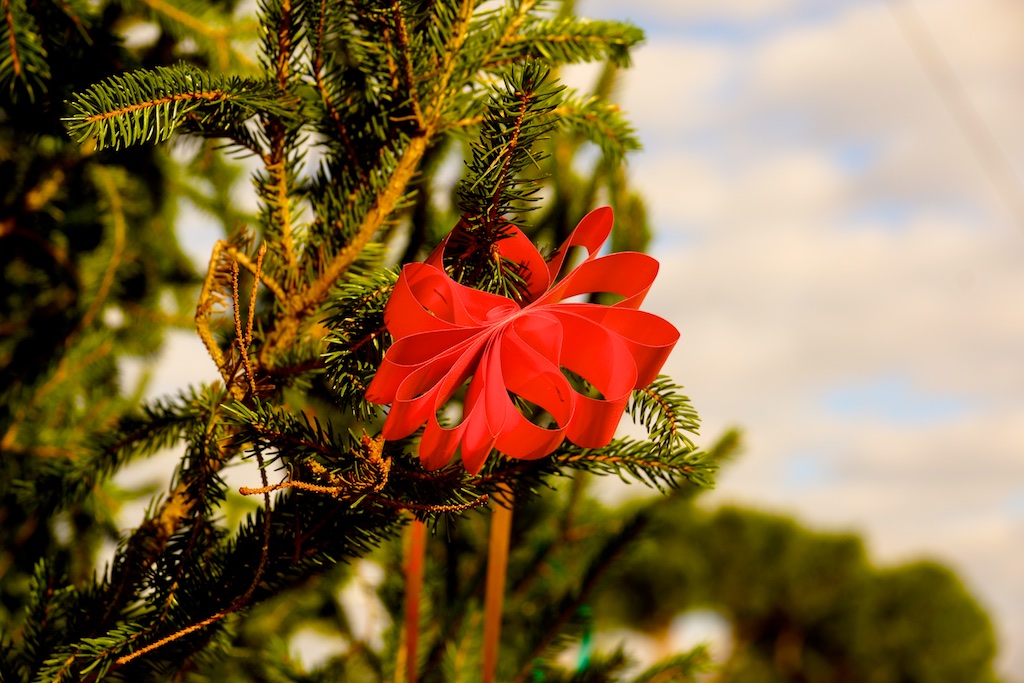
x=836, y=190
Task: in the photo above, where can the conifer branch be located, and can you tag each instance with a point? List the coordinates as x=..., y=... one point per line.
x=514, y=18
x=149, y=105
x=601, y=123
x=125, y=659
x=358, y=338
x=66, y=369
x=24, y=69
x=643, y=461
x=278, y=192
x=199, y=24
x=450, y=57
x=405, y=56
x=313, y=296
x=336, y=118
x=12, y=39
x=563, y=612
x=518, y=116
x=666, y=413
x=279, y=49
x=569, y=40
x=115, y=206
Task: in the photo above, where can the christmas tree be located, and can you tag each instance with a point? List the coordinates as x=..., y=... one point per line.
x=500, y=380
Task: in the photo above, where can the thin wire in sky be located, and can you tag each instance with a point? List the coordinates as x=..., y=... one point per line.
x=972, y=126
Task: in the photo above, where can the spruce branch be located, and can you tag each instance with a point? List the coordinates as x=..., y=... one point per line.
x=61, y=483
x=114, y=205
x=23, y=60
x=666, y=413
x=643, y=461
x=518, y=116
x=500, y=29
x=358, y=338
x=569, y=40
x=559, y=614
x=204, y=24
x=67, y=368
x=601, y=123
x=406, y=59
x=384, y=203
x=149, y=105
x=456, y=32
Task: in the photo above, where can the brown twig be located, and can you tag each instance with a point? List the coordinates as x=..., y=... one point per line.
x=12, y=38
x=209, y=298
x=243, y=340
x=405, y=55
x=210, y=95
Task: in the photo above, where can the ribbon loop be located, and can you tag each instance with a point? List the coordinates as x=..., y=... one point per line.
x=446, y=333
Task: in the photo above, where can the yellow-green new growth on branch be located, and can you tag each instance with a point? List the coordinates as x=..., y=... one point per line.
x=150, y=105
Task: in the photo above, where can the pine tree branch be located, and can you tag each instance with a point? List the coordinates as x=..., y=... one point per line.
x=571, y=603
x=209, y=95
x=517, y=117
x=569, y=40
x=149, y=105
x=318, y=64
x=278, y=190
x=115, y=205
x=314, y=295
x=453, y=49
x=514, y=22
x=513, y=144
x=602, y=123
x=25, y=69
x=66, y=368
x=218, y=36
x=665, y=412
x=405, y=56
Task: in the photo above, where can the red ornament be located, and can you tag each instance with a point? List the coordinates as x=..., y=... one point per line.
x=446, y=333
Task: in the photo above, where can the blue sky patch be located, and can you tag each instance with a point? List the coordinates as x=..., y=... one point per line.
x=807, y=470
x=893, y=399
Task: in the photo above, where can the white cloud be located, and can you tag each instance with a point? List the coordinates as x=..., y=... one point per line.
x=691, y=10
x=833, y=230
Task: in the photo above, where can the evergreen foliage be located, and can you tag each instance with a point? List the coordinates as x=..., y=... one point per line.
x=150, y=105
x=348, y=113
x=344, y=110
x=799, y=605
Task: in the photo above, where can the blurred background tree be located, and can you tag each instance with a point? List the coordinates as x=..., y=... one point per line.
x=358, y=116
x=799, y=605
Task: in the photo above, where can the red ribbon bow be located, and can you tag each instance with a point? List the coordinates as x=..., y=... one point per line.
x=446, y=333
